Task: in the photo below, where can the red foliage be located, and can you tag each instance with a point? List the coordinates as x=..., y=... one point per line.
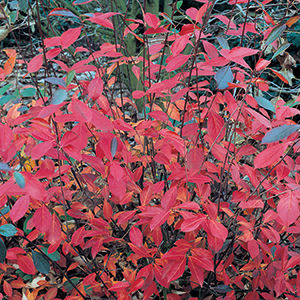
x=196, y=203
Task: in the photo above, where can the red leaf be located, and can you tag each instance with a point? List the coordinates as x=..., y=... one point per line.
x=210, y=49
x=176, y=61
x=270, y=155
x=179, y=44
x=19, y=209
x=253, y=248
x=215, y=126
x=288, y=208
x=151, y=20
x=141, y=251
x=7, y=288
x=136, y=236
x=194, y=159
x=42, y=219
x=81, y=110
x=174, y=268
x=236, y=55
x=119, y=286
x=159, y=115
x=95, y=88
x=169, y=198
x=262, y=64
x=69, y=37
x=35, y=64
x=196, y=271
x=54, y=231
x=78, y=236
x=203, y=258
x=26, y=264
x=40, y=149
x=218, y=230
x=159, y=219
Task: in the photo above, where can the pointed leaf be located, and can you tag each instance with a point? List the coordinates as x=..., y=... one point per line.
x=8, y=230
x=270, y=155
x=59, y=97
x=69, y=37
x=63, y=12
x=280, y=133
x=2, y=251
x=275, y=33
x=56, y=80
x=4, y=167
x=113, y=147
x=35, y=64
x=26, y=264
x=20, y=208
x=40, y=262
x=288, y=208
x=20, y=180
x=263, y=102
x=223, y=77
x=136, y=236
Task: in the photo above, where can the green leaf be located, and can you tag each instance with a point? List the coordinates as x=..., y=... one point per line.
x=263, y=102
x=8, y=230
x=40, y=262
x=20, y=180
x=281, y=49
x=70, y=77
x=279, y=133
x=79, y=2
x=29, y=92
x=178, y=4
x=4, y=89
x=6, y=98
x=59, y=97
x=275, y=33
x=23, y=4
x=55, y=256
x=68, y=286
x=2, y=251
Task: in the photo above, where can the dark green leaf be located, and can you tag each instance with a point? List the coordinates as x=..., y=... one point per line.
x=4, y=89
x=263, y=102
x=2, y=251
x=4, y=210
x=275, y=33
x=279, y=133
x=79, y=2
x=222, y=289
x=223, y=77
x=70, y=77
x=55, y=256
x=8, y=230
x=40, y=262
x=281, y=49
x=113, y=147
x=68, y=286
